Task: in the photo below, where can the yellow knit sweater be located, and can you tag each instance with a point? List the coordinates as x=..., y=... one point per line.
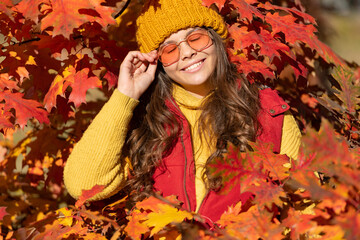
x=95, y=159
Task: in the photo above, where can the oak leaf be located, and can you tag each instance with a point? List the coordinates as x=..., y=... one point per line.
x=246, y=10
x=135, y=227
x=274, y=164
x=65, y=216
x=251, y=66
x=307, y=18
x=80, y=83
x=25, y=108
x=252, y=224
x=165, y=215
x=5, y=7
x=65, y=16
x=218, y=3
x=87, y=194
x=30, y=8
x=6, y=83
x=267, y=193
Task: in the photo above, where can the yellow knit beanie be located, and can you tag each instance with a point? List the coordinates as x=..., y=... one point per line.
x=160, y=18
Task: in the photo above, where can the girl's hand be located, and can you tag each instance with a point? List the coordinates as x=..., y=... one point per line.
x=137, y=72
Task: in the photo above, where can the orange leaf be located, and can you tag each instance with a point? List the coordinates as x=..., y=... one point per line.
x=135, y=227
x=25, y=108
x=218, y=3
x=6, y=83
x=246, y=10
x=81, y=83
x=65, y=16
x=87, y=194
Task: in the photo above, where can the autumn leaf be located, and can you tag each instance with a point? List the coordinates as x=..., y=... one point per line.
x=25, y=108
x=111, y=78
x=307, y=18
x=153, y=213
x=218, y=3
x=246, y=10
x=30, y=8
x=267, y=193
x=165, y=215
x=6, y=83
x=65, y=16
x=135, y=227
x=292, y=30
x=80, y=83
x=247, y=67
x=87, y=194
x=57, y=88
x=5, y=6
x=350, y=92
x=273, y=164
x=65, y=216
x=3, y=213
x=251, y=224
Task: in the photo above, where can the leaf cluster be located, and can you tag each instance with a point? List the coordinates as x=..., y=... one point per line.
x=58, y=65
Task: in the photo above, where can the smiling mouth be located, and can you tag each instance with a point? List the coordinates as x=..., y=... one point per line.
x=193, y=66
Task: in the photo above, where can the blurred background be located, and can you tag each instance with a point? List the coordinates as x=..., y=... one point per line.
x=339, y=25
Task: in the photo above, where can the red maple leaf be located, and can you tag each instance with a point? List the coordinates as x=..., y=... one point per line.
x=57, y=88
x=305, y=16
x=218, y=3
x=4, y=121
x=293, y=31
x=247, y=66
x=80, y=84
x=272, y=163
x=6, y=83
x=246, y=10
x=65, y=16
x=5, y=7
x=111, y=78
x=3, y=213
x=30, y=8
x=268, y=45
x=25, y=108
x=267, y=193
x=87, y=194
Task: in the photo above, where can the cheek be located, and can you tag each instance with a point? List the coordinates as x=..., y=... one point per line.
x=170, y=71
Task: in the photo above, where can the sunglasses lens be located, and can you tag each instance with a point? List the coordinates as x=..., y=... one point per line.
x=198, y=40
x=169, y=54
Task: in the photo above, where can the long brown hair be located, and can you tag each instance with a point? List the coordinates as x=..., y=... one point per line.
x=229, y=114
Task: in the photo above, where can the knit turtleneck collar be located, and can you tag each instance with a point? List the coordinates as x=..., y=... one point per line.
x=186, y=99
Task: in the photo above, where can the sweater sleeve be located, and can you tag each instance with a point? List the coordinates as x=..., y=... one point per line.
x=291, y=137
x=95, y=159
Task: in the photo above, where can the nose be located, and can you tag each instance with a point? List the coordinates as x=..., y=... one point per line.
x=186, y=51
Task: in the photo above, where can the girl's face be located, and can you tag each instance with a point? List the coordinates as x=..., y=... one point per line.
x=193, y=69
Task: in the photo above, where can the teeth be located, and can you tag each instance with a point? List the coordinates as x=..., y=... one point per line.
x=193, y=66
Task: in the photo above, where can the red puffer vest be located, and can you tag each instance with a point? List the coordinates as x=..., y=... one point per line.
x=177, y=176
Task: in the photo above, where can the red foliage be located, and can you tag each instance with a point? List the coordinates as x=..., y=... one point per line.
x=54, y=52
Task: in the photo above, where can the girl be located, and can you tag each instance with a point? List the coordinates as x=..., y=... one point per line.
x=193, y=103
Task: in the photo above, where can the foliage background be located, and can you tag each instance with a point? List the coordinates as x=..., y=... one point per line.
x=58, y=66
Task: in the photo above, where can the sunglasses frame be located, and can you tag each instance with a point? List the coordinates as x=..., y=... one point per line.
x=206, y=32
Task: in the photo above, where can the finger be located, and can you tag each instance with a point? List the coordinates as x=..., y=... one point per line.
x=151, y=56
x=152, y=68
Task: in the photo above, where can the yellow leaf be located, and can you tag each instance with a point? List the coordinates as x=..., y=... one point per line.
x=65, y=216
x=30, y=61
x=166, y=215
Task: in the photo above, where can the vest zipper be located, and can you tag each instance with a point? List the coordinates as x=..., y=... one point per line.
x=185, y=170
